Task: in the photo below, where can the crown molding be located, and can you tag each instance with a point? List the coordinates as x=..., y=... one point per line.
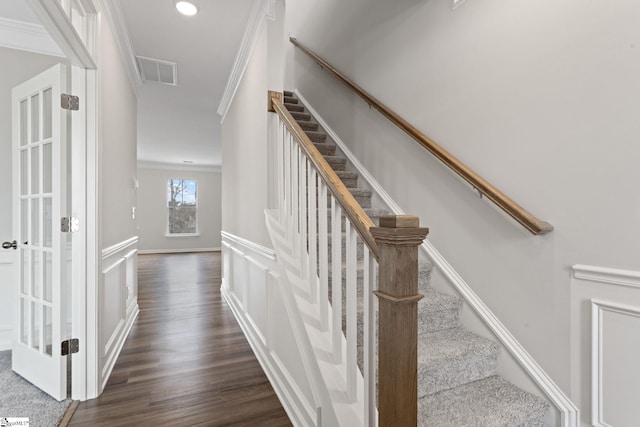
x=261, y=10
x=28, y=37
x=144, y=164
x=115, y=16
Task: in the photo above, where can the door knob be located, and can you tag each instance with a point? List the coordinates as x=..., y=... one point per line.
x=9, y=245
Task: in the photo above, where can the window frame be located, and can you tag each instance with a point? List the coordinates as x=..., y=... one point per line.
x=168, y=232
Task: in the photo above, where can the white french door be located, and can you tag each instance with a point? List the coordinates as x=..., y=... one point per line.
x=39, y=202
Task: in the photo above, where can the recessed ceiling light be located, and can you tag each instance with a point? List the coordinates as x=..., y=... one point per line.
x=186, y=8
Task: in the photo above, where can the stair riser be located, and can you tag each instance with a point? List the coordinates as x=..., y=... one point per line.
x=326, y=149
x=317, y=136
x=431, y=321
x=363, y=201
x=472, y=369
x=300, y=116
x=294, y=107
x=337, y=164
x=308, y=125
x=290, y=100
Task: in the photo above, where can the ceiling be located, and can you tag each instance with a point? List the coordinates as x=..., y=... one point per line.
x=180, y=123
x=177, y=124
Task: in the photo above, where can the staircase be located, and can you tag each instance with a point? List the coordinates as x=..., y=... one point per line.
x=458, y=381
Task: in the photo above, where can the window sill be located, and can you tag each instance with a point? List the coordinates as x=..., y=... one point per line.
x=182, y=235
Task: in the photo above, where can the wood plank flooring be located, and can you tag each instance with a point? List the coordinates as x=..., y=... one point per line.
x=186, y=361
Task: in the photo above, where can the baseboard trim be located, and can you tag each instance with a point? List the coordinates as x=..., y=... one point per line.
x=5, y=337
x=108, y=368
x=177, y=251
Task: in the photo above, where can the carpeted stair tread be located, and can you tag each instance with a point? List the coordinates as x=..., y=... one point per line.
x=350, y=179
x=290, y=100
x=288, y=93
x=294, y=107
x=452, y=357
x=338, y=163
x=325, y=148
x=438, y=311
x=316, y=136
x=307, y=125
x=491, y=402
x=300, y=116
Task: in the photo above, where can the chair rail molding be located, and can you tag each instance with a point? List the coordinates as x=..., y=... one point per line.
x=610, y=276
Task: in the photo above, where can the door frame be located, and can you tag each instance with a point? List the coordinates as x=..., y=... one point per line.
x=86, y=192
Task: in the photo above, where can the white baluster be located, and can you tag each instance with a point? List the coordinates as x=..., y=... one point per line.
x=304, y=214
x=324, y=255
x=313, y=235
x=336, y=279
x=287, y=176
x=294, y=196
x=352, y=311
x=281, y=166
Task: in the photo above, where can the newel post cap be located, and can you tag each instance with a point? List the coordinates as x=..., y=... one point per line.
x=399, y=230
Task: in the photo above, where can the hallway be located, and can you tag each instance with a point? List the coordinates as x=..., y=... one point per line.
x=186, y=361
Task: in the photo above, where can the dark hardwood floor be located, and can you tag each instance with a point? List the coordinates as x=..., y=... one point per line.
x=186, y=361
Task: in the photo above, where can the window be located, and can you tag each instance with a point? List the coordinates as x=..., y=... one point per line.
x=182, y=202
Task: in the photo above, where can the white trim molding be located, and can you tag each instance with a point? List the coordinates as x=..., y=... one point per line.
x=248, y=244
x=113, y=11
x=57, y=24
x=145, y=164
x=597, y=348
x=569, y=414
x=28, y=37
x=610, y=276
x=261, y=10
x=107, y=252
x=177, y=251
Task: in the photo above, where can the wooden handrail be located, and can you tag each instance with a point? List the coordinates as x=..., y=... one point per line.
x=517, y=212
x=350, y=206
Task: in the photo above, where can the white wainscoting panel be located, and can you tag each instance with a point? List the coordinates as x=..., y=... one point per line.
x=6, y=298
x=118, y=302
x=615, y=356
x=255, y=290
x=605, y=344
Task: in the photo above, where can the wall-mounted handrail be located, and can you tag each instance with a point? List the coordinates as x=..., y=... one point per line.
x=517, y=212
x=350, y=206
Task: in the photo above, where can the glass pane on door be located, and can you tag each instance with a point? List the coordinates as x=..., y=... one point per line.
x=47, y=119
x=35, y=118
x=35, y=325
x=35, y=169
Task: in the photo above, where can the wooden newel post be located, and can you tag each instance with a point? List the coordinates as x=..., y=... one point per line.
x=398, y=238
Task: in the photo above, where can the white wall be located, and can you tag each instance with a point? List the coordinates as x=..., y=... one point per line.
x=117, y=134
x=17, y=66
x=116, y=291
x=152, y=211
x=540, y=98
x=244, y=153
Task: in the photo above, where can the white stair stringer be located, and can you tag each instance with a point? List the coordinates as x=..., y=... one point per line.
x=332, y=375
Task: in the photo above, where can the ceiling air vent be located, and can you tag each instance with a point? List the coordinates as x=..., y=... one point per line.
x=156, y=70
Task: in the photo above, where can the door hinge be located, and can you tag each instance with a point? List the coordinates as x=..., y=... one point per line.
x=70, y=346
x=70, y=102
x=69, y=224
